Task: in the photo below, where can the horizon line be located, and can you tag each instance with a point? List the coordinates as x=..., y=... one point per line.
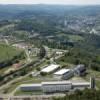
x=49, y=4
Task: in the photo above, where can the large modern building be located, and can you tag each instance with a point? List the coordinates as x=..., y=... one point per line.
x=50, y=68
x=64, y=74
x=58, y=86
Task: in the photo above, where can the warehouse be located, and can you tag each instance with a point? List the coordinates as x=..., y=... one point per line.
x=58, y=86
x=50, y=68
x=30, y=87
x=64, y=74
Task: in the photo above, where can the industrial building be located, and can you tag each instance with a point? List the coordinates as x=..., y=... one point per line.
x=64, y=74
x=80, y=70
x=58, y=86
x=50, y=68
x=30, y=87
x=80, y=85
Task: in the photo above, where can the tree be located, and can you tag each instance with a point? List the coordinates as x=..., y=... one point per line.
x=38, y=68
x=43, y=73
x=23, y=72
x=42, y=52
x=1, y=78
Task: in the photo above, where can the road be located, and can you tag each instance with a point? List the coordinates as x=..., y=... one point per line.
x=34, y=97
x=20, y=78
x=28, y=57
x=6, y=41
x=17, y=79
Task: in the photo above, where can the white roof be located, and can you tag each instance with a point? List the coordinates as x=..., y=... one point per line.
x=56, y=82
x=62, y=71
x=29, y=85
x=80, y=83
x=50, y=68
x=59, y=52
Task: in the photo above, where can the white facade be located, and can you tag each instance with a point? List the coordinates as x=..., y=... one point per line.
x=30, y=87
x=80, y=86
x=64, y=74
x=50, y=68
x=57, y=86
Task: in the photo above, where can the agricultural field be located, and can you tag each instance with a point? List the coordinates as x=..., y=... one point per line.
x=73, y=38
x=8, y=56
x=7, y=52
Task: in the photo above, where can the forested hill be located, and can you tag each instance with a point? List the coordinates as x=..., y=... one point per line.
x=18, y=11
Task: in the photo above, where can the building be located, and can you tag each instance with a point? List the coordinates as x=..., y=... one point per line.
x=80, y=85
x=50, y=68
x=30, y=87
x=59, y=53
x=64, y=74
x=80, y=70
x=20, y=45
x=58, y=86
x=92, y=82
x=69, y=74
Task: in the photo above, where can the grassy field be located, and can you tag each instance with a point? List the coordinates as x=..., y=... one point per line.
x=96, y=74
x=7, y=52
x=6, y=27
x=26, y=80
x=75, y=37
x=20, y=93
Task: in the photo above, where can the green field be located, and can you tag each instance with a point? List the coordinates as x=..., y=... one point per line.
x=20, y=93
x=7, y=52
x=75, y=37
x=26, y=80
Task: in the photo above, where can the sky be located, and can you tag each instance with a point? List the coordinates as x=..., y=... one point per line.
x=67, y=2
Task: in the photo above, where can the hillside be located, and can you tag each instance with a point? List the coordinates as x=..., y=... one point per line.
x=7, y=52
x=9, y=55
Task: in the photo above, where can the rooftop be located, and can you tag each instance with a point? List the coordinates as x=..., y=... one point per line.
x=62, y=71
x=29, y=85
x=80, y=67
x=56, y=82
x=50, y=68
x=80, y=83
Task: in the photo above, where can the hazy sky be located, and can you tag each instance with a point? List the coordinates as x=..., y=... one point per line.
x=71, y=2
